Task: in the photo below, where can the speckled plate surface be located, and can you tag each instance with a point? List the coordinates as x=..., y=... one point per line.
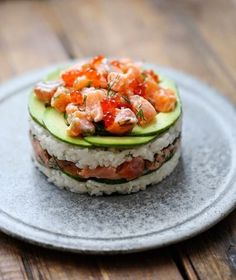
x=200, y=192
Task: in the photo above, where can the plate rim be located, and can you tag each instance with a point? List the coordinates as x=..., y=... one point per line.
x=35, y=235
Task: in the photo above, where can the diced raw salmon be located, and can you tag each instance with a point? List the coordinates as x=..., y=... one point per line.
x=128, y=170
x=165, y=100
x=100, y=172
x=93, y=105
x=131, y=169
x=80, y=126
x=41, y=155
x=116, y=81
x=71, y=108
x=124, y=121
x=159, y=159
x=61, y=99
x=151, y=89
x=68, y=167
x=81, y=82
x=45, y=90
x=144, y=110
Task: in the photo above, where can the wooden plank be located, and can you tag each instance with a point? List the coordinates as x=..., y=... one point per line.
x=213, y=33
x=26, y=40
x=216, y=23
x=11, y=266
x=156, y=31
x=212, y=255
x=47, y=264
x=184, y=34
x=40, y=264
x=35, y=44
x=150, y=265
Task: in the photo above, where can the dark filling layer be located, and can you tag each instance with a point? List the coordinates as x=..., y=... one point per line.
x=127, y=171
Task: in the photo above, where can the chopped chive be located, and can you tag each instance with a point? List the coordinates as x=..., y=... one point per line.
x=110, y=85
x=144, y=75
x=125, y=122
x=140, y=113
x=126, y=98
x=56, y=97
x=84, y=100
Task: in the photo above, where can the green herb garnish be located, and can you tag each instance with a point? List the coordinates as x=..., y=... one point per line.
x=84, y=100
x=56, y=97
x=111, y=92
x=66, y=118
x=125, y=122
x=144, y=75
x=140, y=113
x=89, y=84
x=126, y=98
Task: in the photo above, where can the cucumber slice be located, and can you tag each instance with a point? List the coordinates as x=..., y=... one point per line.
x=36, y=108
x=100, y=180
x=55, y=124
x=118, y=142
x=53, y=75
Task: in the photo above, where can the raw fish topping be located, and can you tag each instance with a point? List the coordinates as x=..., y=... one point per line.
x=112, y=95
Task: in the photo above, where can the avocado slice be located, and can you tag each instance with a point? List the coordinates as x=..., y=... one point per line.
x=36, y=107
x=163, y=120
x=56, y=125
x=53, y=75
x=118, y=141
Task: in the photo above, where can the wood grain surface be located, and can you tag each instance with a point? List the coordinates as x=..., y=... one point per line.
x=195, y=36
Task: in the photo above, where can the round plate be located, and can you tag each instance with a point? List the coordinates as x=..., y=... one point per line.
x=199, y=193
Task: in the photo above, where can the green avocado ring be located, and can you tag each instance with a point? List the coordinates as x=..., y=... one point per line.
x=55, y=123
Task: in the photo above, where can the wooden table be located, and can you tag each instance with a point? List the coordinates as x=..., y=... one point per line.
x=198, y=37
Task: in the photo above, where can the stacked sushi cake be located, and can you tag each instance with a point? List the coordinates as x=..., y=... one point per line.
x=105, y=126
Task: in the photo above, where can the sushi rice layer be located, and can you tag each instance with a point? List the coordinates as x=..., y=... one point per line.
x=104, y=157
x=96, y=188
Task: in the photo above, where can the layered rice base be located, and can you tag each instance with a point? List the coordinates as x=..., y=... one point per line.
x=100, y=171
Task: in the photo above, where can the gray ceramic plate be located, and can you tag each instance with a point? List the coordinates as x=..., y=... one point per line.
x=200, y=192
